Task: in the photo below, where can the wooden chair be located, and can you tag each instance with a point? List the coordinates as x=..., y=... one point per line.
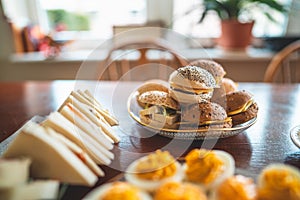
x=286, y=62
x=121, y=59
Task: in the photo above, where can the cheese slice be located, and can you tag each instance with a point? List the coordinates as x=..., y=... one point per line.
x=228, y=119
x=191, y=90
x=243, y=108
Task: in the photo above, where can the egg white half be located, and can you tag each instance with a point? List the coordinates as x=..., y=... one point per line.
x=98, y=193
x=277, y=166
x=229, y=168
x=150, y=185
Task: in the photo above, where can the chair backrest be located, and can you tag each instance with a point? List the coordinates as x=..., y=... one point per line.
x=126, y=56
x=286, y=62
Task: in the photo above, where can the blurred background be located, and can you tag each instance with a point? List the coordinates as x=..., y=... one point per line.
x=79, y=26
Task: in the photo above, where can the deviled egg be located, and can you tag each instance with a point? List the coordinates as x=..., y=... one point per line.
x=208, y=168
x=149, y=172
x=279, y=182
x=117, y=191
x=179, y=191
x=236, y=187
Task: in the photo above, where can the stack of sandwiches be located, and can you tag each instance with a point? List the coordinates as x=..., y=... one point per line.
x=70, y=144
x=197, y=96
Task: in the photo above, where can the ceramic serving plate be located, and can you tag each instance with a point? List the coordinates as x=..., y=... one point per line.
x=295, y=135
x=181, y=133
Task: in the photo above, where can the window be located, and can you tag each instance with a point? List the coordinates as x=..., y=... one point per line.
x=94, y=19
x=91, y=19
x=210, y=27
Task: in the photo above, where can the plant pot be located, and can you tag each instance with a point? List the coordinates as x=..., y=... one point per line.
x=235, y=35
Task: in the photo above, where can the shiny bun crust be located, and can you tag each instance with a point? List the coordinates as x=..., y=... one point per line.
x=202, y=112
x=192, y=77
x=229, y=85
x=236, y=100
x=151, y=86
x=243, y=117
x=158, y=98
x=211, y=66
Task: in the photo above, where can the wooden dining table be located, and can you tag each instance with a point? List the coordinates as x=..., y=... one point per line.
x=266, y=141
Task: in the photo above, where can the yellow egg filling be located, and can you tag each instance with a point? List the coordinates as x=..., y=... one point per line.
x=157, y=166
x=203, y=166
x=121, y=191
x=279, y=185
x=237, y=187
x=182, y=191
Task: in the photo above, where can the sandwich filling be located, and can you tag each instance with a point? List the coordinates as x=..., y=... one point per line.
x=160, y=114
x=242, y=109
x=209, y=122
x=189, y=90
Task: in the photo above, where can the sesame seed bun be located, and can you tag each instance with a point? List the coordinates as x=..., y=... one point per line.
x=212, y=67
x=229, y=85
x=203, y=112
x=152, y=85
x=192, y=77
x=243, y=117
x=236, y=100
x=236, y=107
x=191, y=84
x=160, y=98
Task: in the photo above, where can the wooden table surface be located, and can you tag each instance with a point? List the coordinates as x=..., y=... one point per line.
x=267, y=141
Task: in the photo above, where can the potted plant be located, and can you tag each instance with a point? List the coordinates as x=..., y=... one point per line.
x=236, y=19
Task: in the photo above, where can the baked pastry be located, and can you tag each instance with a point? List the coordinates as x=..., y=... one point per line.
x=241, y=107
x=191, y=84
x=212, y=67
x=205, y=114
x=152, y=85
x=160, y=109
x=229, y=85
